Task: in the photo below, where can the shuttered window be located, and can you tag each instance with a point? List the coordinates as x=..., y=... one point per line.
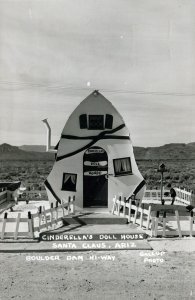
x=109, y=121
x=83, y=121
x=95, y=122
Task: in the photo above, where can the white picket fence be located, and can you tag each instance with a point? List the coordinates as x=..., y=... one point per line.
x=152, y=195
x=155, y=218
x=27, y=225
x=182, y=196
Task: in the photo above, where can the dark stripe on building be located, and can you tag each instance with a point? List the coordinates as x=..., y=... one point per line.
x=57, y=145
x=96, y=138
x=118, y=137
x=91, y=137
x=47, y=184
x=139, y=187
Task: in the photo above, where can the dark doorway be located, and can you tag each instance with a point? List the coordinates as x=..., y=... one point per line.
x=95, y=181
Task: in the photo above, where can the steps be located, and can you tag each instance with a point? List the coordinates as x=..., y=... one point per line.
x=93, y=218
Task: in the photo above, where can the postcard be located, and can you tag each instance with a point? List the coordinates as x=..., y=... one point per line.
x=97, y=149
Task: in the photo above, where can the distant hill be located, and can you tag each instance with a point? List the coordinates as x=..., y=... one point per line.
x=168, y=151
x=33, y=148
x=191, y=144
x=37, y=152
x=8, y=152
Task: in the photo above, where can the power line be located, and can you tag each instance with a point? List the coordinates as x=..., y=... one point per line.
x=150, y=93
x=72, y=88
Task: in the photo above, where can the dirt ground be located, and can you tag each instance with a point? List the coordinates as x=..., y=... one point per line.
x=102, y=275
x=166, y=272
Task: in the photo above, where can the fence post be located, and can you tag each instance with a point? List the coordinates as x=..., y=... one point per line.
x=56, y=209
x=69, y=199
x=17, y=226
x=73, y=206
x=191, y=223
x=40, y=212
x=4, y=225
x=164, y=223
x=141, y=217
x=149, y=214
x=153, y=225
x=178, y=223
x=51, y=213
x=135, y=216
x=62, y=206
x=124, y=207
x=46, y=223
x=119, y=205
x=156, y=224
x=114, y=205
x=129, y=216
x=30, y=225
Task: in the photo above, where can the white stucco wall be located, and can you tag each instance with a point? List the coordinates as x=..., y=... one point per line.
x=115, y=148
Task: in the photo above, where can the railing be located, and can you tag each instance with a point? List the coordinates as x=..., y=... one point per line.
x=33, y=224
x=156, y=195
x=155, y=217
x=162, y=215
x=44, y=219
x=182, y=196
x=33, y=195
x=132, y=210
x=5, y=224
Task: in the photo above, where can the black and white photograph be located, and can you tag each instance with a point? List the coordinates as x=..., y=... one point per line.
x=97, y=149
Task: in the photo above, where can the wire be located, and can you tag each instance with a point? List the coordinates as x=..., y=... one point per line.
x=72, y=88
x=151, y=93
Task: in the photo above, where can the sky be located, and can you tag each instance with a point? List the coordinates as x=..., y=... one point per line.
x=138, y=54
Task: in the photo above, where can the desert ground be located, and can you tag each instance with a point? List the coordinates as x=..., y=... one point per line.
x=33, y=173
x=125, y=275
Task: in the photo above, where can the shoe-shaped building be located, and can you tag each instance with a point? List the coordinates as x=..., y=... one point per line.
x=94, y=157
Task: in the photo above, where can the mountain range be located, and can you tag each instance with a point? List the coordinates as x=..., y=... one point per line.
x=169, y=151
x=9, y=152
x=37, y=152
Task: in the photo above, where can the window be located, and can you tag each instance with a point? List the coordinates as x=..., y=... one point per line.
x=96, y=122
x=122, y=166
x=109, y=121
x=69, y=182
x=83, y=121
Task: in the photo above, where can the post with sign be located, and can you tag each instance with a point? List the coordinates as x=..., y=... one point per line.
x=162, y=169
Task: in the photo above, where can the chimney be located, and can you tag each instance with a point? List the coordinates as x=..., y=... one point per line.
x=48, y=143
